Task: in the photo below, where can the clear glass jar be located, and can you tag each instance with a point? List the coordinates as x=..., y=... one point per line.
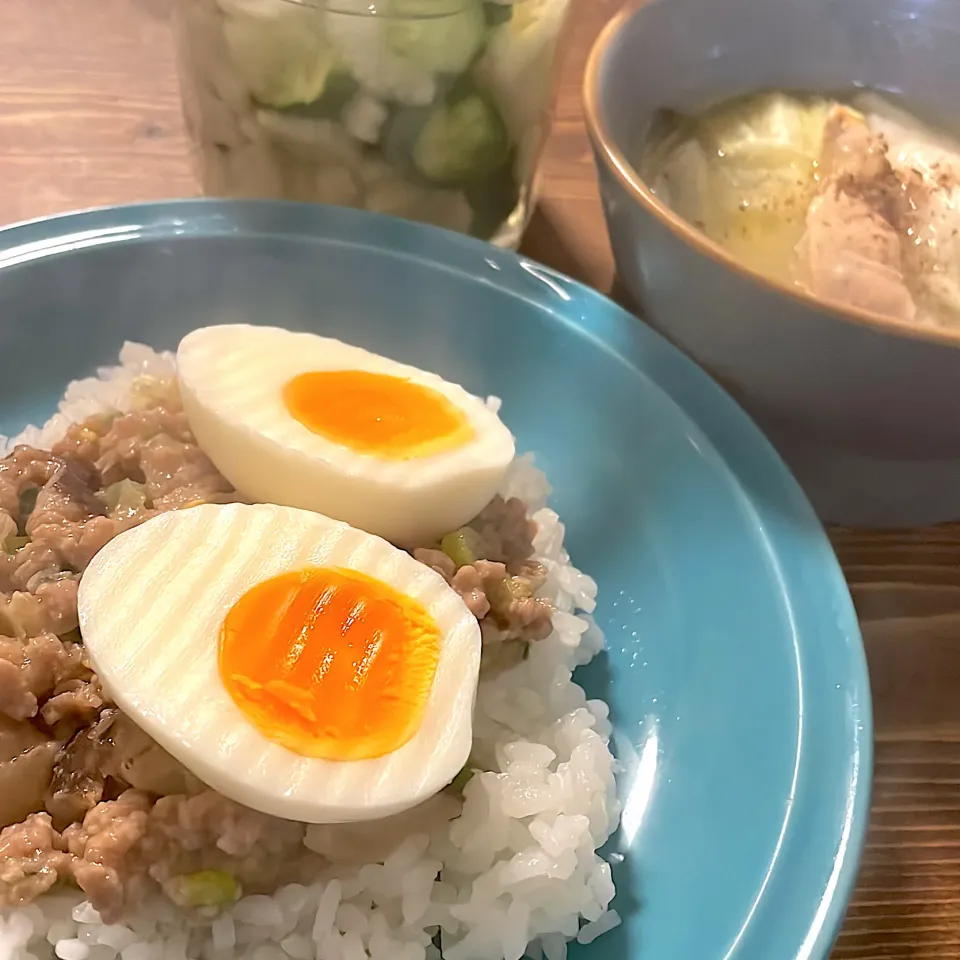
x=435, y=110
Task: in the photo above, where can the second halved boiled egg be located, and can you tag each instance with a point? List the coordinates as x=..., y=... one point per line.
x=297, y=665
x=306, y=421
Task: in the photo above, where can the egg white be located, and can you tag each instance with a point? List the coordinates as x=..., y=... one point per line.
x=232, y=379
x=151, y=606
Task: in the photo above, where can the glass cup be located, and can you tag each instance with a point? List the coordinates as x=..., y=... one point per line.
x=435, y=110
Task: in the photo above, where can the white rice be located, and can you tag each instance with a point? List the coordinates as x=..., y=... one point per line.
x=517, y=874
x=110, y=389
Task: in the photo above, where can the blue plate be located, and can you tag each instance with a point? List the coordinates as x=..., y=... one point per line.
x=735, y=671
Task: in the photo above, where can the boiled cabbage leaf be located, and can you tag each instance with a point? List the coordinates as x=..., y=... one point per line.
x=744, y=173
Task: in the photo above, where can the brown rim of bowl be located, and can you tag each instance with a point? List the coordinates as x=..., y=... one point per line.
x=631, y=182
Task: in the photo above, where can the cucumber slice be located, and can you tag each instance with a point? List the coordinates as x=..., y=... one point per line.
x=462, y=142
x=443, y=37
x=280, y=52
x=516, y=66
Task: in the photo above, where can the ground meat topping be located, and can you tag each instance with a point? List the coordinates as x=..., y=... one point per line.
x=73, y=700
x=82, y=440
x=104, y=758
x=122, y=842
x=96, y=854
x=41, y=670
x=59, y=508
x=38, y=573
x=501, y=594
x=25, y=468
x=51, y=608
x=31, y=565
x=31, y=860
x=474, y=581
x=80, y=772
x=209, y=832
x=120, y=450
x=26, y=765
x=105, y=864
x=68, y=496
x=506, y=532
x=64, y=506
x=154, y=446
x=179, y=474
x=509, y=601
x=437, y=560
x=70, y=518
x=16, y=700
x=210, y=820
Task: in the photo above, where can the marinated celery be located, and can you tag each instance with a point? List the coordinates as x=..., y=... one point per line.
x=205, y=888
x=433, y=110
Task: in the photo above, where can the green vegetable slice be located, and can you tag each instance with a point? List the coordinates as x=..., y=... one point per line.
x=282, y=53
x=125, y=498
x=206, y=888
x=461, y=546
x=443, y=37
x=462, y=142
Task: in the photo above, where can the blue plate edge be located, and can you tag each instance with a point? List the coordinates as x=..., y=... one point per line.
x=207, y=216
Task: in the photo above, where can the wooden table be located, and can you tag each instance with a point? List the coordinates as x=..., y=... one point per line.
x=89, y=115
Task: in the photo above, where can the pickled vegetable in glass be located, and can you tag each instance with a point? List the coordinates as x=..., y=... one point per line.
x=435, y=110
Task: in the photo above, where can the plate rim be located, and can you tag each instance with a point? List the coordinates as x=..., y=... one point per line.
x=614, y=330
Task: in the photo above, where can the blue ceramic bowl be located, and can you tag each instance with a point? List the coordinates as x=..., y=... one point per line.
x=854, y=401
x=735, y=671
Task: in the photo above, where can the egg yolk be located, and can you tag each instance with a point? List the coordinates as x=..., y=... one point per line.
x=330, y=663
x=377, y=414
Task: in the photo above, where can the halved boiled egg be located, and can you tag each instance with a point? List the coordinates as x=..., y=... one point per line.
x=310, y=422
x=295, y=664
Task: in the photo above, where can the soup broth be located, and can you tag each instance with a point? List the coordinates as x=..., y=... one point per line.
x=856, y=201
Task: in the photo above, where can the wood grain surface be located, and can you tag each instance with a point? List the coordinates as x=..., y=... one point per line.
x=89, y=115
